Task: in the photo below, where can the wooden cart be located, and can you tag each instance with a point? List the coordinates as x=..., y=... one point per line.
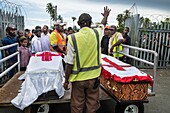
x=10, y=91
x=129, y=96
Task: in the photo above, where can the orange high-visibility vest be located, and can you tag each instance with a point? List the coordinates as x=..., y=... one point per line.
x=61, y=41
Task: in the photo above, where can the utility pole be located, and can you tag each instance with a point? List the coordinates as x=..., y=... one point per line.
x=55, y=12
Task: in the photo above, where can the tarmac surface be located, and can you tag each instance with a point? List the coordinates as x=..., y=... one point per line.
x=160, y=103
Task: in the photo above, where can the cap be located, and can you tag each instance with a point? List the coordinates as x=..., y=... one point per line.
x=113, y=27
x=59, y=22
x=107, y=27
x=85, y=18
x=11, y=27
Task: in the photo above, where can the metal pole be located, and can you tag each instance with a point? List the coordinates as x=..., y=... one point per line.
x=18, y=58
x=155, y=71
x=55, y=12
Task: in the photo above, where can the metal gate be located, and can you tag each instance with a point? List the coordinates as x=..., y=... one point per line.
x=10, y=13
x=151, y=36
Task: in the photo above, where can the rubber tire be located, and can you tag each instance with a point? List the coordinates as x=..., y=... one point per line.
x=120, y=108
x=34, y=108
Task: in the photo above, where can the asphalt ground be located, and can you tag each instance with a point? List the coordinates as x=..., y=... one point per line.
x=160, y=103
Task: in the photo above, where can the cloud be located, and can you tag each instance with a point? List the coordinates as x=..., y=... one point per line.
x=37, y=15
x=156, y=4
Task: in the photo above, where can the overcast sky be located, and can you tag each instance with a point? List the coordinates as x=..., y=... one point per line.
x=36, y=14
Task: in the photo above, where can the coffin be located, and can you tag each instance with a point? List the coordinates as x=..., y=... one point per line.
x=124, y=81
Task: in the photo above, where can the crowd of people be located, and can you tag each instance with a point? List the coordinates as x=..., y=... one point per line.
x=43, y=39
x=81, y=50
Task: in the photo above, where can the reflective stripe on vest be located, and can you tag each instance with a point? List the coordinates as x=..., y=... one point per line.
x=79, y=69
x=115, y=48
x=61, y=41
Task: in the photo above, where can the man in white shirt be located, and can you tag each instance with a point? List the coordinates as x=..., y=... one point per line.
x=35, y=43
x=45, y=39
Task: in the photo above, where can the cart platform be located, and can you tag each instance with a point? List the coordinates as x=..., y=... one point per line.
x=10, y=91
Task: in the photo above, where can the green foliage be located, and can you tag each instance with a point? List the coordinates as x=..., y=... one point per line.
x=51, y=10
x=75, y=28
x=121, y=20
x=120, y=28
x=60, y=18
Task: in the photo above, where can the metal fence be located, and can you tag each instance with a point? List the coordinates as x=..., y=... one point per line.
x=10, y=13
x=6, y=69
x=151, y=36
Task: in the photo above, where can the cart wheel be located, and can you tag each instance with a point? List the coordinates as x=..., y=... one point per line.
x=130, y=108
x=43, y=108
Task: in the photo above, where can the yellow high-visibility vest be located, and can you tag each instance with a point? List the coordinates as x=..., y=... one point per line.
x=87, y=60
x=115, y=39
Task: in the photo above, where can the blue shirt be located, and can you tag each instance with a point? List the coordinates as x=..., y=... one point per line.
x=7, y=41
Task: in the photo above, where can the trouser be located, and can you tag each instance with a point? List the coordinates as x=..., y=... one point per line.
x=83, y=94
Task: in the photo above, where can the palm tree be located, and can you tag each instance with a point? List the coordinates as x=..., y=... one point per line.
x=141, y=20
x=120, y=19
x=167, y=20
x=51, y=10
x=146, y=22
x=73, y=18
x=60, y=18
x=126, y=14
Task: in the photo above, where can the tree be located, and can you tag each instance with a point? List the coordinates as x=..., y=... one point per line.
x=60, y=18
x=51, y=10
x=73, y=18
x=121, y=18
x=146, y=22
x=141, y=20
x=167, y=20
x=126, y=14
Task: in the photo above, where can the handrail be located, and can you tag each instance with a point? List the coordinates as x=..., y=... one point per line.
x=8, y=46
x=10, y=56
x=154, y=64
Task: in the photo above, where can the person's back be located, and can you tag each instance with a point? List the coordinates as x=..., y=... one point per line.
x=86, y=40
x=83, y=65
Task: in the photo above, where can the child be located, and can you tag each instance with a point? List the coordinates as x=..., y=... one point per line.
x=24, y=53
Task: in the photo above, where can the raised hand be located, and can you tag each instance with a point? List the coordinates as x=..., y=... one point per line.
x=106, y=12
